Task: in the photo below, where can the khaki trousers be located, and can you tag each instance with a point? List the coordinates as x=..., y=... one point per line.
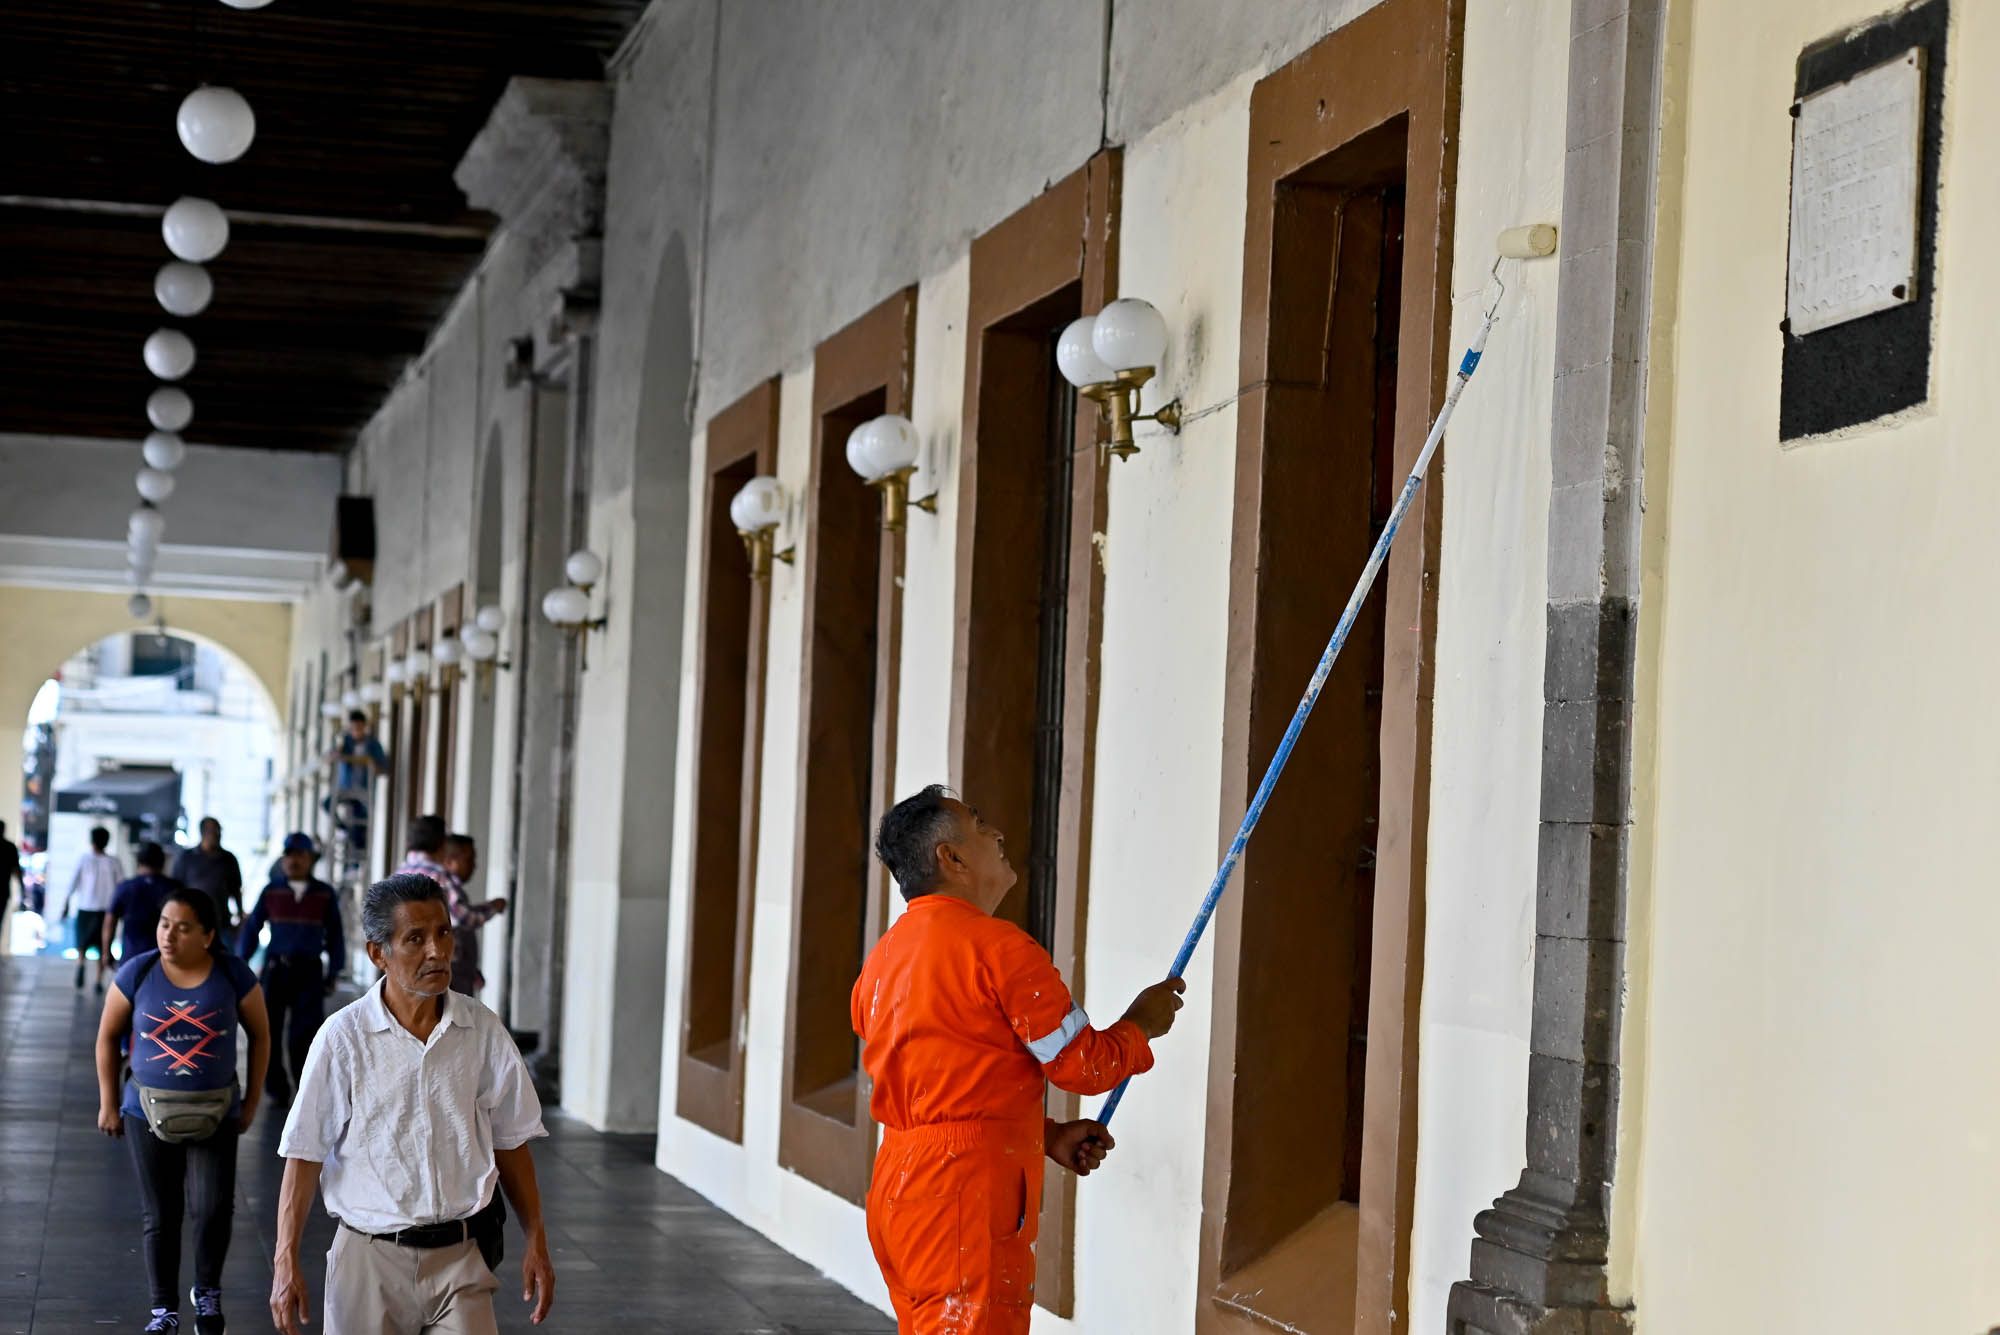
x=382, y=1288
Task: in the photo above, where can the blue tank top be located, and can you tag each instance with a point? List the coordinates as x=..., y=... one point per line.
x=182, y=1037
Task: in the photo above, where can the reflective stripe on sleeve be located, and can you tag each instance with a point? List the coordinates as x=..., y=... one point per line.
x=1050, y=1045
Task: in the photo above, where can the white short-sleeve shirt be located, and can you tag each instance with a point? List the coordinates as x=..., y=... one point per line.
x=405, y=1130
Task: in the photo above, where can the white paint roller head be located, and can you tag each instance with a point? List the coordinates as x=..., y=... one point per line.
x=1528, y=242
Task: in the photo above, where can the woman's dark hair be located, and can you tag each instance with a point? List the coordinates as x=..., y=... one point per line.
x=908, y=838
x=204, y=911
x=378, y=906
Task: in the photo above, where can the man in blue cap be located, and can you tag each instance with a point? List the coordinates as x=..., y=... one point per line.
x=304, y=917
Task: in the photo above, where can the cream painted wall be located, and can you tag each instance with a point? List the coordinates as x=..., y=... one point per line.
x=1818, y=1148
x=1479, y=933
x=39, y=628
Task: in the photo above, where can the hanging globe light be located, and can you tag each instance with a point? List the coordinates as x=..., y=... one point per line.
x=155, y=485
x=169, y=354
x=216, y=124
x=140, y=606
x=170, y=409
x=147, y=524
x=163, y=450
x=195, y=229
x=183, y=289
x=246, y=4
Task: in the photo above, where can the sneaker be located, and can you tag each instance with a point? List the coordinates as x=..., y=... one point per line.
x=207, y=1311
x=163, y=1320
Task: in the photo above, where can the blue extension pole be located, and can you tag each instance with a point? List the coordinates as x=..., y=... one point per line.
x=1376, y=560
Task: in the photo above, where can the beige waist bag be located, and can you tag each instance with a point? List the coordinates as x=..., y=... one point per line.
x=180, y=1115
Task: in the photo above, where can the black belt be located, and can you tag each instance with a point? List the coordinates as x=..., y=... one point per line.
x=429, y=1236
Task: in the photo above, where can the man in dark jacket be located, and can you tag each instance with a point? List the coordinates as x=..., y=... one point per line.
x=304, y=917
x=211, y=867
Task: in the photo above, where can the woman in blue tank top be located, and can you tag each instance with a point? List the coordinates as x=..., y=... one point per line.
x=180, y=1006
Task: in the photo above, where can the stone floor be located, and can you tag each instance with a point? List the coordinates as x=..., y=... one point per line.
x=634, y=1250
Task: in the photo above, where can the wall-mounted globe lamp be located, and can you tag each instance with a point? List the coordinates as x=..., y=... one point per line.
x=140, y=606
x=482, y=643
x=215, y=124
x=195, y=229
x=1108, y=356
x=330, y=709
x=568, y=608
x=372, y=693
x=883, y=453
x=449, y=652
x=757, y=510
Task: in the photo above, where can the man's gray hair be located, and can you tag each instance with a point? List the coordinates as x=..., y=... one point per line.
x=378, y=906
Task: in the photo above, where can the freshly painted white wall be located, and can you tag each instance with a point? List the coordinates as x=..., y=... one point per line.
x=1479, y=926
x=1818, y=1148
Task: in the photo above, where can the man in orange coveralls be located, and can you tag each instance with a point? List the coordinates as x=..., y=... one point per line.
x=962, y=1016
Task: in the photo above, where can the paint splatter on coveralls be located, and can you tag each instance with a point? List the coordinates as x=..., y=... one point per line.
x=961, y=1017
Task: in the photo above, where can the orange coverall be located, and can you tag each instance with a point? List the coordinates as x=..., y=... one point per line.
x=961, y=1017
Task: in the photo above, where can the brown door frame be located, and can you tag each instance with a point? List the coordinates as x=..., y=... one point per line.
x=1400, y=59
x=873, y=355
x=708, y=1095
x=1065, y=240
x=450, y=619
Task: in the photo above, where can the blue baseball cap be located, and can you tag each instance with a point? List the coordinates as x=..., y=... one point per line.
x=300, y=842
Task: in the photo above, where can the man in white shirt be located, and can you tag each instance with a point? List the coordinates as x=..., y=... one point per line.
x=414, y=1107
x=91, y=889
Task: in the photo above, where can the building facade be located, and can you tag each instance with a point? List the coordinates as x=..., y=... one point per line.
x=1572, y=973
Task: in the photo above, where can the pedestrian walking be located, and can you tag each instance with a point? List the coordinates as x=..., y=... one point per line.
x=90, y=890
x=412, y=1119
x=461, y=858
x=177, y=1009
x=136, y=903
x=303, y=914
x=211, y=867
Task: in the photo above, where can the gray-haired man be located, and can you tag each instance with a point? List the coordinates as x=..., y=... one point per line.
x=413, y=1108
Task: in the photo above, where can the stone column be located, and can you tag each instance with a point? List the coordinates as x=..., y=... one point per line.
x=1539, y=1258
x=540, y=164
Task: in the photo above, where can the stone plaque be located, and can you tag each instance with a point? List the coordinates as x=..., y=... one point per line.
x=1856, y=151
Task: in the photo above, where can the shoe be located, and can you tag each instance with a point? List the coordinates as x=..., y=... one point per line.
x=163, y=1320
x=207, y=1311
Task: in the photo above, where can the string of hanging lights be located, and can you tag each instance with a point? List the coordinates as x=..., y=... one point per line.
x=216, y=125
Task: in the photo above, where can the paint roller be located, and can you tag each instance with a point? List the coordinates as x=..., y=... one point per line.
x=1531, y=241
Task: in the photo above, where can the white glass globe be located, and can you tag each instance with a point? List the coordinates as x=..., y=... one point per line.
x=350, y=699
x=393, y=673
x=216, y=124
x=760, y=505
x=897, y=443
x=417, y=665
x=183, y=289
x=155, y=485
x=1129, y=334
x=170, y=408
x=331, y=709
x=448, y=651
x=491, y=619
x=584, y=568
x=164, y=450
x=878, y=448
x=1077, y=359
x=480, y=645
x=147, y=522
x=861, y=450
x=195, y=229
x=246, y=4
x=566, y=606
x=141, y=558
x=169, y=353
x=371, y=692
x=140, y=606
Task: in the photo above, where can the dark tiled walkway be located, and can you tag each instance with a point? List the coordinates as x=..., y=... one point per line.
x=634, y=1250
